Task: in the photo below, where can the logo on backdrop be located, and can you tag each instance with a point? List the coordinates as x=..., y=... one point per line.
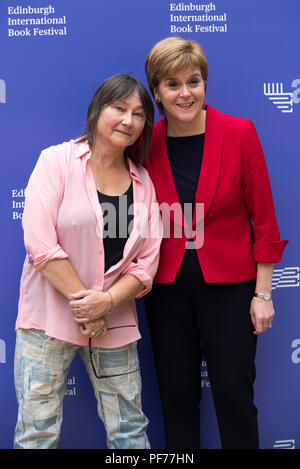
x=2, y=351
x=205, y=383
x=296, y=352
x=2, y=91
x=18, y=201
x=287, y=277
x=284, y=444
x=283, y=99
x=71, y=386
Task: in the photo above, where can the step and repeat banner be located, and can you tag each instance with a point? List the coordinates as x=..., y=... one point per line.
x=54, y=54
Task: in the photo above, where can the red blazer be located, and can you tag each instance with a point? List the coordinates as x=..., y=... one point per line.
x=240, y=227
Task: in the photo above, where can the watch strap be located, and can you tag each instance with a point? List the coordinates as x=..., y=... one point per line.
x=263, y=296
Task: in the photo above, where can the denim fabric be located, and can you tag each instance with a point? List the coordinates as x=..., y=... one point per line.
x=41, y=369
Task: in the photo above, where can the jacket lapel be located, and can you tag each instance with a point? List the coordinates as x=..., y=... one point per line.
x=166, y=189
x=162, y=174
x=211, y=161
x=210, y=168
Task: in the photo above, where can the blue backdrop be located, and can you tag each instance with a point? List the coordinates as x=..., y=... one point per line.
x=54, y=54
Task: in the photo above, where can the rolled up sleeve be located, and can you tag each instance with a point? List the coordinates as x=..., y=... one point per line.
x=43, y=197
x=145, y=264
x=267, y=246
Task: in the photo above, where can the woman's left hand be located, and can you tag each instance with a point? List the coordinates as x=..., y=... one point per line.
x=89, y=305
x=262, y=314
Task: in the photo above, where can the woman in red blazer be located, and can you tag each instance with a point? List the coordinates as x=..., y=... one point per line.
x=212, y=292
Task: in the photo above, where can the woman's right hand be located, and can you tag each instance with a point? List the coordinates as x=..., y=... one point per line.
x=94, y=328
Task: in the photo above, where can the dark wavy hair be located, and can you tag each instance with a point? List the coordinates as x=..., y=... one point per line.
x=118, y=88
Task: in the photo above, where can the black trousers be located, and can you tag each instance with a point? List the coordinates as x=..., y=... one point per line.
x=190, y=320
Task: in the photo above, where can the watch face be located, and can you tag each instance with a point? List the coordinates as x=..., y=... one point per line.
x=267, y=296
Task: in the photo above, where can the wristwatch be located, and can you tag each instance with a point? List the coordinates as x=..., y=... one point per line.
x=263, y=296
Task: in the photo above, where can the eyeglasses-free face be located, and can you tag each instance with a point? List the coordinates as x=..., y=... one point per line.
x=182, y=95
x=120, y=123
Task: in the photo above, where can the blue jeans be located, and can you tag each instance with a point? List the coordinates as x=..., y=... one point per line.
x=41, y=369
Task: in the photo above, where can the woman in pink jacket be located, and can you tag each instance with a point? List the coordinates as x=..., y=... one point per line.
x=85, y=264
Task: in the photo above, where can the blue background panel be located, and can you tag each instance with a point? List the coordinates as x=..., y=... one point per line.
x=46, y=83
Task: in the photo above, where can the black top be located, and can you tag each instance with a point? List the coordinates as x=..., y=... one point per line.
x=117, y=224
x=185, y=156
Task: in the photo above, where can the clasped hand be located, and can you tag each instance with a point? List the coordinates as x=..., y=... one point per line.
x=89, y=307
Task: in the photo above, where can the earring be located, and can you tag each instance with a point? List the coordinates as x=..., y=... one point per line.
x=157, y=100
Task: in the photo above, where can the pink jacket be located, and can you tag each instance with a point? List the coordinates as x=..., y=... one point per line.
x=63, y=219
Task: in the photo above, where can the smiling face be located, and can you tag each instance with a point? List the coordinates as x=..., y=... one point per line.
x=182, y=96
x=120, y=123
